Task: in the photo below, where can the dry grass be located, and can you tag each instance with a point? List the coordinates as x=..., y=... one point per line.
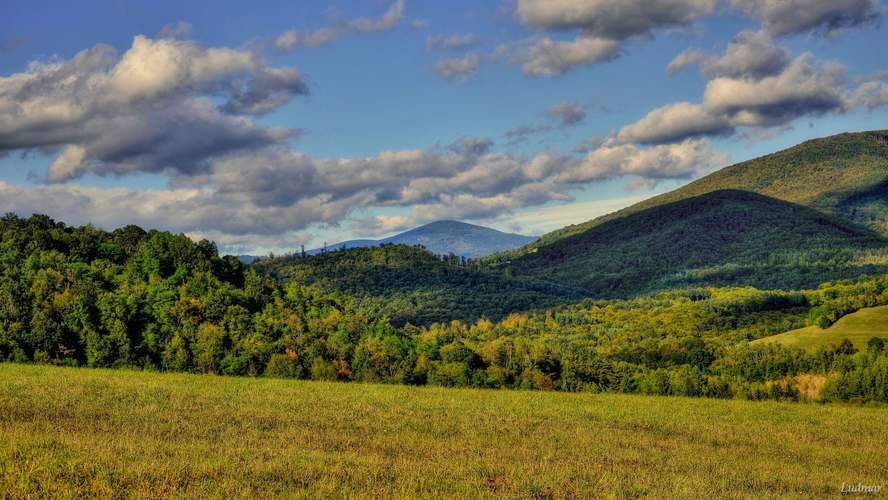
x=809, y=385
x=77, y=433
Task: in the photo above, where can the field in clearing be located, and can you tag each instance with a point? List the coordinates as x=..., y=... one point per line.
x=858, y=327
x=73, y=433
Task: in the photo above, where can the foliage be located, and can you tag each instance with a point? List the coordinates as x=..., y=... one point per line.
x=152, y=300
x=410, y=284
x=723, y=238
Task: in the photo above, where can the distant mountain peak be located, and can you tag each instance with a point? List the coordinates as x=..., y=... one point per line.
x=449, y=236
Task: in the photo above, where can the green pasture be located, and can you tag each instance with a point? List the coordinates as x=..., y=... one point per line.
x=858, y=327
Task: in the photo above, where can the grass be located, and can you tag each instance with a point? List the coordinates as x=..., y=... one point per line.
x=80, y=433
x=858, y=327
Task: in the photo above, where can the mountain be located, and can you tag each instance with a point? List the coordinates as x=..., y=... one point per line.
x=721, y=238
x=845, y=175
x=409, y=284
x=446, y=236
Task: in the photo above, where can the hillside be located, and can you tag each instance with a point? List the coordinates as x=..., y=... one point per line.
x=722, y=238
x=858, y=327
x=409, y=284
x=844, y=175
x=448, y=236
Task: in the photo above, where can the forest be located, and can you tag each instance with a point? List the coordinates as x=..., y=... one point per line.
x=409, y=284
x=151, y=300
x=722, y=238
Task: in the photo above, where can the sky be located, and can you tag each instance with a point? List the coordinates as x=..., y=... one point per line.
x=268, y=125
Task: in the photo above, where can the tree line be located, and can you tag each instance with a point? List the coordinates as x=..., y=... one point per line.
x=83, y=296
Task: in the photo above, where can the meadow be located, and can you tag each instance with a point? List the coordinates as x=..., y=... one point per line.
x=94, y=433
x=858, y=327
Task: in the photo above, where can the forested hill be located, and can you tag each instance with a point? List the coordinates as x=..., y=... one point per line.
x=844, y=175
x=444, y=237
x=410, y=284
x=722, y=238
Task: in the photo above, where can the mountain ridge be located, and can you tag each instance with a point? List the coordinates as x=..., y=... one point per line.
x=721, y=238
x=844, y=175
x=445, y=236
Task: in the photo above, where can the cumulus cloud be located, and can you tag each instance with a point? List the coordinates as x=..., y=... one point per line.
x=179, y=210
x=372, y=227
x=273, y=194
x=454, y=42
x=288, y=40
x=749, y=54
x=526, y=129
x=547, y=58
x=801, y=89
x=829, y=17
x=448, y=69
x=686, y=160
x=604, y=27
x=267, y=90
x=871, y=95
x=464, y=180
x=149, y=110
x=292, y=39
x=567, y=113
x=564, y=114
x=612, y=19
x=176, y=30
x=388, y=20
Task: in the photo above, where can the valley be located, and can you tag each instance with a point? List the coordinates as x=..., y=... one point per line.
x=676, y=296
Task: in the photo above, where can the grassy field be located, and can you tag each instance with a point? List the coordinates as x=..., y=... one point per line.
x=858, y=327
x=75, y=433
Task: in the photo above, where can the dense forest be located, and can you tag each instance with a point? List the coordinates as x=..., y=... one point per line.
x=82, y=296
x=722, y=238
x=409, y=284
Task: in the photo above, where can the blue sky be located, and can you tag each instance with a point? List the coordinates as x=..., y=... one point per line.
x=275, y=124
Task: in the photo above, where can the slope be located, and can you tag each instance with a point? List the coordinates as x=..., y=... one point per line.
x=726, y=237
x=409, y=284
x=844, y=175
x=448, y=236
x=858, y=327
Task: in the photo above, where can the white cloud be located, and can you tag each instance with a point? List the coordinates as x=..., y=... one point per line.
x=292, y=39
x=567, y=113
x=288, y=40
x=454, y=42
x=549, y=59
x=604, y=27
x=373, y=227
x=612, y=19
x=684, y=161
x=872, y=92
x=801, y=89
x=448, y=69
x=149, y=110
x=388, y=20
x=749, y=55
x=176, y=30
x=831, y=17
